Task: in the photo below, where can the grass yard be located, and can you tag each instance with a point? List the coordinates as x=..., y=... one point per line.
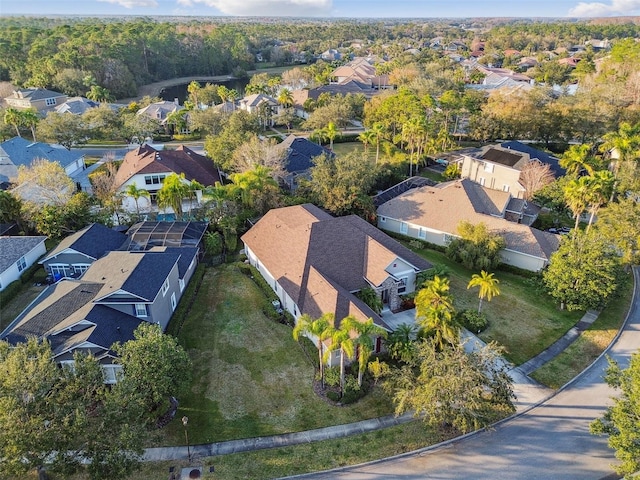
x=591, y=343
x=523, y=319
x=348, y=147
x=10, y=310
x=250, y=377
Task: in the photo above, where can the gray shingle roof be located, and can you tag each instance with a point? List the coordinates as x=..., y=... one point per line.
x=24, y=152
x=93, y=241
x=300, y=153
x=13, y=248
x=35, y=94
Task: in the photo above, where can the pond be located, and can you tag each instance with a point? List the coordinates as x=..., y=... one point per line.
x=180, y=91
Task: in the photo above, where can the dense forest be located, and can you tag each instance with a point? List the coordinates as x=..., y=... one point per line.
x=122, y=54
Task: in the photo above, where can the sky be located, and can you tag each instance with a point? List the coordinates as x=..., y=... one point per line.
x=327, y=8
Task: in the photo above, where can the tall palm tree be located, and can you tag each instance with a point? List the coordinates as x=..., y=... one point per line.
x=379, y=131
x=625, y=143
x=192, y=188
x=320, y=328
x=601, y=188
x=173, y=191
x=576, y=195
x=401, y=342
x=30, y=119
x=193, y=89
x=136, y=193
x=341, y=340
x=576, y=159
x=331, y=132
x=487, y=285
x=434, y=312
x=364, y=342
x=13, y=116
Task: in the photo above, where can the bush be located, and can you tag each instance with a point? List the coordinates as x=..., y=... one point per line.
x=473, y=321
x=333, y=396
x=352, y=391
x=186, y=137
x=332, y=376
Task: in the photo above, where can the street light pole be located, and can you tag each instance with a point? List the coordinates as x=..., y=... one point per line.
x=185, y=420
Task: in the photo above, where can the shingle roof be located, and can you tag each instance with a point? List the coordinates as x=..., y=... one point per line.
x=66, y=304
x=13, y=248
x=140, y=274
x=187, y=254
x=160, y=110
x=24, y=152
x=94, y=241
x=76, y=105
x=147, y=160
x=35, y=94
x=301, y=152
x=444, y=206
x=319, y=259
x=534, y=154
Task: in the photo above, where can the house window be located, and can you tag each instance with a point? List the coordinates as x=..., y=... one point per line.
x=165, y=287
x=181, y=282
x=505, y=188
x=80, y=269
x=58, y=270
x=50, y=102
x=481, y=180
x=402, y=286
x=404, y=228
x=422, y=233
x=111, y=373
x=488, y=167
x=154, y=179
x=141, y=310
x=22, y=264
x=173, y=301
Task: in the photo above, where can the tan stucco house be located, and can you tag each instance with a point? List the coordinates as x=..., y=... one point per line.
x=40, y=99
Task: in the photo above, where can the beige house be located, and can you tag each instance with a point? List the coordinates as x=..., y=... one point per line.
x=39, y=99
x=499, y=167
x=432, y=214
x=315, y=263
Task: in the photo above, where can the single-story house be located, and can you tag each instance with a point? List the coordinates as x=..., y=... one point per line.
x=316, y=263
x=433, y=213
x=16, y=255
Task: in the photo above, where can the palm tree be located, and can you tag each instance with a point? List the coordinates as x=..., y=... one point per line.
x=434, y=312
x=379, y=131
x=285, y=98
x=601, y=188
x=321, y=328
x=192, y=188
x=401, y=342
x=136, y=193
x=30, y=119
x=13, y=116
x=173, y=191
x=487, y=284
x=331, y=132
x=364, y=342
x=625, y=143
x=576, y=159
x=193, y=89
x=341, y=340
x=99, y=94
x=367, y=138
x=576, y=194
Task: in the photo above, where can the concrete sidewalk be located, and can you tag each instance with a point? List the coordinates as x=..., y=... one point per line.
x=528, y=394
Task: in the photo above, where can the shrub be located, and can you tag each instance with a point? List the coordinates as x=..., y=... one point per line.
x=473, y=321
x=333, y=396
x=352, y=391
x=369, y=296
x=416, y=244
x=332, y=376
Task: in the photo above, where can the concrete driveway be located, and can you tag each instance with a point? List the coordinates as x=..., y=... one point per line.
x=548, y=441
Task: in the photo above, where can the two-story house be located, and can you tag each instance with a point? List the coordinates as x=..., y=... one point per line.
x=40, y=99
x=16, y=255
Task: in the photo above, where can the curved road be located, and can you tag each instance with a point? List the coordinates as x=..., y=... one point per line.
x=550, y=441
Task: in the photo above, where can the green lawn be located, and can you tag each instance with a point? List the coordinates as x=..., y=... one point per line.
x=522, y=318
x=250, y=377
x=10, y=310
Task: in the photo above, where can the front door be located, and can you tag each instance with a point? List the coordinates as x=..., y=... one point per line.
x=385, y=296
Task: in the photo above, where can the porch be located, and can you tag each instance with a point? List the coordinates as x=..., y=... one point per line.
x=394, y=320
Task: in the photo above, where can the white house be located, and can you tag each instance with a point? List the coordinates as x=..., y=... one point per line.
x=16, y=255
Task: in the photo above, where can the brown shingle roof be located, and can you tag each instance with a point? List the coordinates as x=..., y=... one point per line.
x=147, y=160
x=444, y=206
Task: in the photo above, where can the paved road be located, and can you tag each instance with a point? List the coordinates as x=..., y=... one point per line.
x=551, y=441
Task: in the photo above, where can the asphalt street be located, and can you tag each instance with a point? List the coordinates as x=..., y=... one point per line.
x=549, y=441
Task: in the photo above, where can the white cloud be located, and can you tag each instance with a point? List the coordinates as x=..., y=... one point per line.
x=133, y=3
x=292, y=8
x=598, y=9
